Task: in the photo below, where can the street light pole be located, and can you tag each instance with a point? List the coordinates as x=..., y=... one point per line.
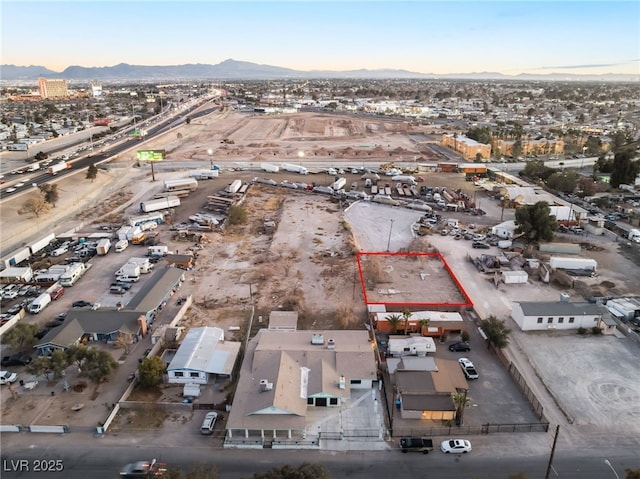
x=608, y=463
x=389, y=240
x=210, y=153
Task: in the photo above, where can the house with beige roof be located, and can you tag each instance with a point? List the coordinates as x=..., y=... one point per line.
x=286, y=373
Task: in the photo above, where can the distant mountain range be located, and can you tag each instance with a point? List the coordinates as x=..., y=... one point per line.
x=238, y=70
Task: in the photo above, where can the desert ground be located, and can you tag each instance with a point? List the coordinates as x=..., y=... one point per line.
x=307, y=263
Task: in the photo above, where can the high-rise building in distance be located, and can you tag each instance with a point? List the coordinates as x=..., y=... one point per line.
x=53, y=88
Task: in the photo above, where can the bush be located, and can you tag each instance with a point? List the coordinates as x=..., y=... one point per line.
x=237, y=215
x=596, y=331
x=582, y=331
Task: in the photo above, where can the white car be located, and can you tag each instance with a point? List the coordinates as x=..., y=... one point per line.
x=7, y=377
x=468, y=368
x=455, y=446
x=10, y=190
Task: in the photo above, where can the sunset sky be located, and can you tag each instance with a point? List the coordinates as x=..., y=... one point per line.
x=582, y=37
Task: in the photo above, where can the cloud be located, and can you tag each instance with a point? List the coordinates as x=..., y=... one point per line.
x=592, y=65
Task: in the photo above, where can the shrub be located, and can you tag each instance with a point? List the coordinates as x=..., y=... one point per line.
x=582, y=331
x=596, y=331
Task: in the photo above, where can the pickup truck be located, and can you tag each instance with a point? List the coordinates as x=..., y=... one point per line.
x=416, y=444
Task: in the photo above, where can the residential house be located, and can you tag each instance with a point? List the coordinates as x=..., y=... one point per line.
x=545, y=315
x=284, y=373
x=203, y=355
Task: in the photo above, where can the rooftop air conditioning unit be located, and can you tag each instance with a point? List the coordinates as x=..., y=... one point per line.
x=317, y=339
x=265, y=385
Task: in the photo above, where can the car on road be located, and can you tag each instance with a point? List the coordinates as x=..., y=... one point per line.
x=455, y=446
x=143, y=469
x=459, y=346
x=468, y=368
x=10, y=190
x=81, y=303
x=16, y=360
x=19, y=185
x=480, y=245
x=7, y=377
x=117, y=289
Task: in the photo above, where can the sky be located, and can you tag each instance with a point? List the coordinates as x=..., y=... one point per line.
x=510, y=37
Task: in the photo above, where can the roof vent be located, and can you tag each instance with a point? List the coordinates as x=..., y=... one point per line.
x=317, y=339
x=342, y=383
x=331, y=344
x=265, y=385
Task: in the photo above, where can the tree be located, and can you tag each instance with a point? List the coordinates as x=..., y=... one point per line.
x=480, y=134
x=423, y=323
x=21, y=337
x=51, y=193
x=536, y=169
x=460, y=401
x=77, y=354
x=394, y=321
x=564, y=182
x=188, y=120
x=98, y=364
x=632, y=473
x=624, y=170
x=41, y=156
x=304, y=471
x=497, y=332
x=536, y=222
x=92, y=173
x=35, y=205
x=51, y=367
x=237, y=215
x=406, y=316
x=150, y=371
x=197, y=472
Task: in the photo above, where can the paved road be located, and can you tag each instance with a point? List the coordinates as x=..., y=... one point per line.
x=97, y=461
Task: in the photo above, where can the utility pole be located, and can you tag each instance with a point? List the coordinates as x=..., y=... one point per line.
x=553, y=450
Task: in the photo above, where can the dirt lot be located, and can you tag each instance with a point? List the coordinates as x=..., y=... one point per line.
x=306, y=264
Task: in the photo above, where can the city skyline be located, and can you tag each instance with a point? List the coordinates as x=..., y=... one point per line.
x=579, y=37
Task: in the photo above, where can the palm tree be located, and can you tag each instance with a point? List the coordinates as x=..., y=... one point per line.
x=460, y=401
x=497, y=332
x=423, y=323
x=406, y=316
x=394, y=322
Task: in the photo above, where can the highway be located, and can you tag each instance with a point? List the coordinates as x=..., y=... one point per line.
x=105, y=154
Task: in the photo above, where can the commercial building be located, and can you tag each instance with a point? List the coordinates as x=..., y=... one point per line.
x=53, y=88
x=545, y=315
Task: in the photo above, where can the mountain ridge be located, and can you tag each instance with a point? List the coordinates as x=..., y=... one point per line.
x=240, y=70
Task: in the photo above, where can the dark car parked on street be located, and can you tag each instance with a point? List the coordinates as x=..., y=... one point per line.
x=460, y=346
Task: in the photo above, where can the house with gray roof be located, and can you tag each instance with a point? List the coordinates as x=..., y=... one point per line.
x=133, y=321
x=82, y=326
x=202, y=356
x=546, y=315
x=284, y=374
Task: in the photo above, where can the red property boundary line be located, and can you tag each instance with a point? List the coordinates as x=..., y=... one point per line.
x=467, y=304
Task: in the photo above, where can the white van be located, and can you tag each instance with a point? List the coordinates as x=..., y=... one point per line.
x=208, y=423
x=39, y=303
x=121, y=245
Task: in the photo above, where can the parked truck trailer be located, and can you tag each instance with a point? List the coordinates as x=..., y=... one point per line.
x=159, y=204
x=233, y=187
x=559, y=262
x=203, y=174
x=104, y=245
x=294, y=168
x=181, y=184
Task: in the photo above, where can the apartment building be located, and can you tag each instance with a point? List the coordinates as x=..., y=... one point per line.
x=467, y=147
